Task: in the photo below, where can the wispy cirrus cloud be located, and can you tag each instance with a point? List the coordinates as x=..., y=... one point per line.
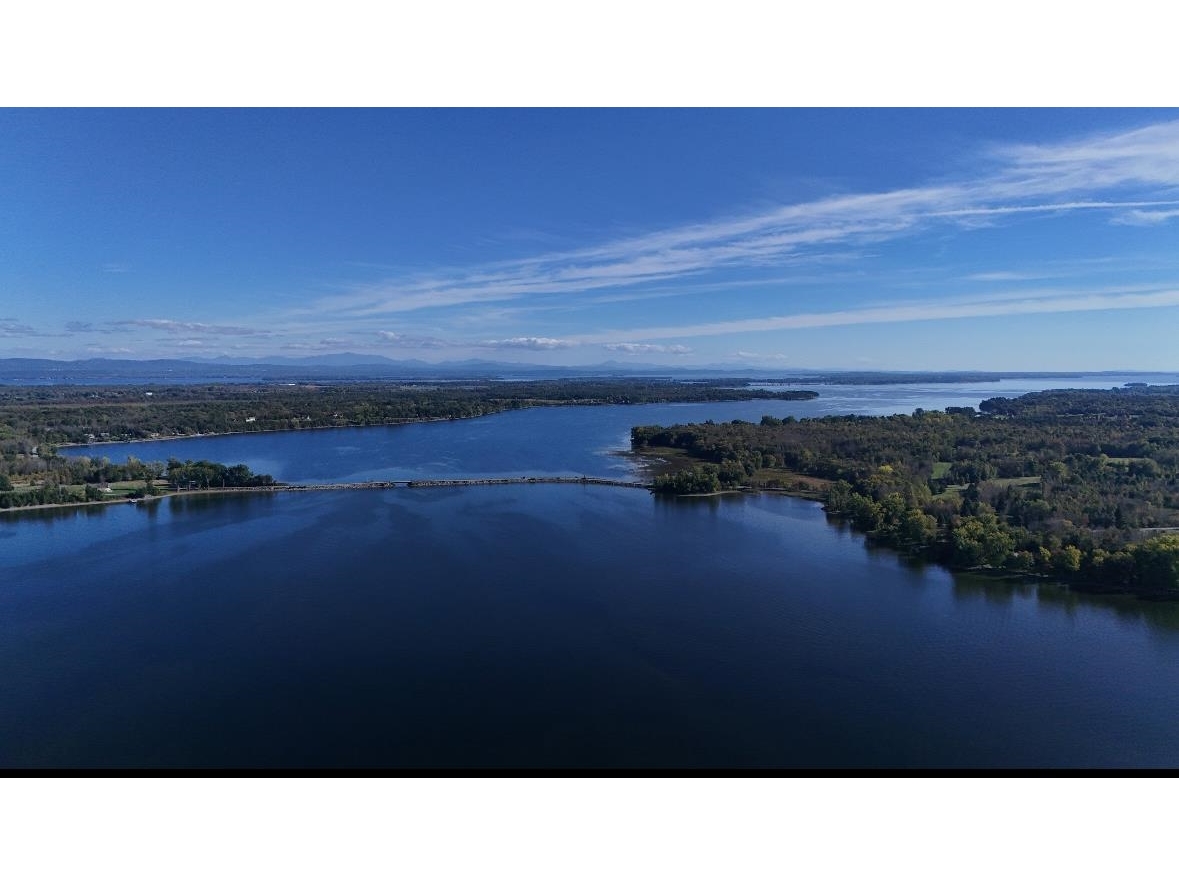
x=999, y=304
x=1143, y=218
x=581, y=272
x=1143, y=156
x=1130, y=175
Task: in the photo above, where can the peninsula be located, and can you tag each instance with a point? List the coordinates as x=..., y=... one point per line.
x=1079, y=485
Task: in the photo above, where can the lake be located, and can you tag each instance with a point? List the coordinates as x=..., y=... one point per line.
x=552, y=626
x=551, y=441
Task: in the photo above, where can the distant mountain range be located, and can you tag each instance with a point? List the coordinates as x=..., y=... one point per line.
x=356, y=366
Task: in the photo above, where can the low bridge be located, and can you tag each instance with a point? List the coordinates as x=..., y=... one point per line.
x=441, y=483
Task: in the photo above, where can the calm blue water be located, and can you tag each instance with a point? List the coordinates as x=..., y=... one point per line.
x=543, y=625
x=554, y=626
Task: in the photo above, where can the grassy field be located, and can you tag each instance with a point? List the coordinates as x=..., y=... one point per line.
x=999, y=483
x=1015, y=481
x=117, y=489
x=787, y=480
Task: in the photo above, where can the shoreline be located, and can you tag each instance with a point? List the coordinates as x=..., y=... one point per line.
x=368, y=485
x=401, y=422
x=182, y=436
x=999, y=574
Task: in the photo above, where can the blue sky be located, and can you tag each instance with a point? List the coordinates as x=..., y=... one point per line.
x=873, y=239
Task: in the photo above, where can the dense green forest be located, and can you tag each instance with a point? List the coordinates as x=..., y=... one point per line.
x=1078, y=484
x=35, y=420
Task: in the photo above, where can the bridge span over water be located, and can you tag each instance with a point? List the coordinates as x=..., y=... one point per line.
x=439, y=483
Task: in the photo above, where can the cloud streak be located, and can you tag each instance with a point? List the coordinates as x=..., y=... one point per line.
x=1144, y=218
x=1007, y=304
x=1142, y=165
